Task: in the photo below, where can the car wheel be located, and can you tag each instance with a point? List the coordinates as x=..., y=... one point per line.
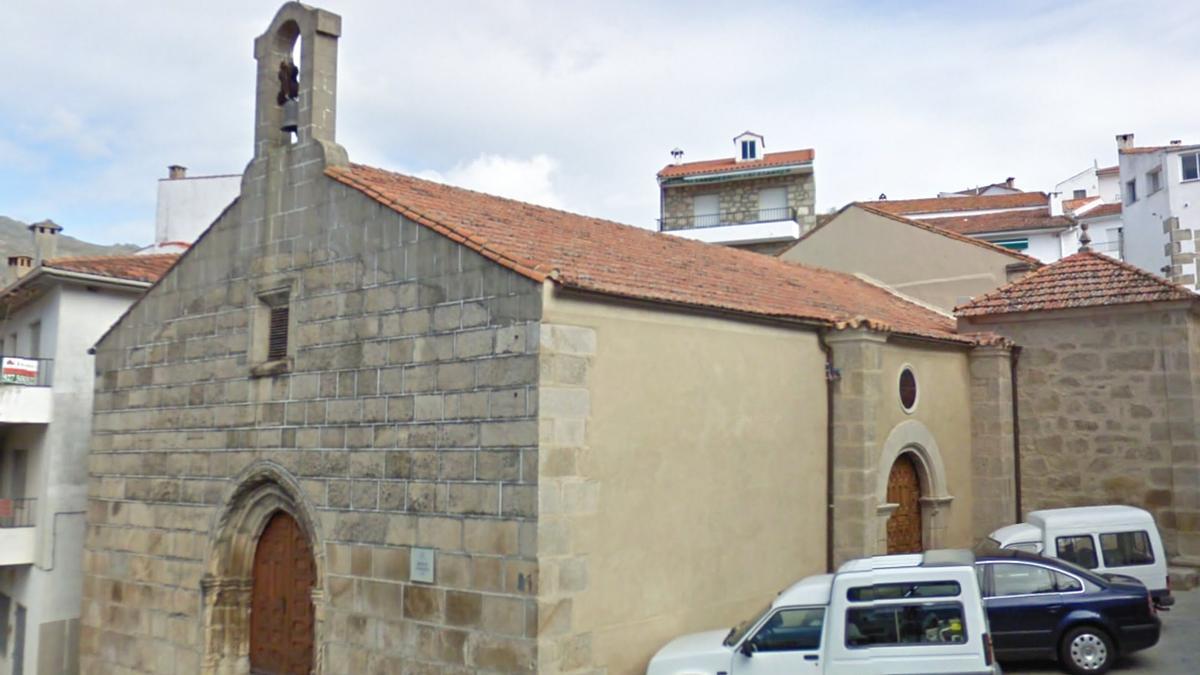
x=1086, y=650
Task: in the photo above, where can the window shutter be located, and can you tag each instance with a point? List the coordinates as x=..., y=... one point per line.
x=277, y=338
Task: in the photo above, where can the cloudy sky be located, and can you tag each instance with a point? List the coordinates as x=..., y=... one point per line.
x=577, y=105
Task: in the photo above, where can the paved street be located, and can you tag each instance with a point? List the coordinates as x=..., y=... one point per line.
x=1177, y=653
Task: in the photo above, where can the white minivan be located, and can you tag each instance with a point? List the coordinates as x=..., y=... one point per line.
x=1106, y=539
x=915, y=613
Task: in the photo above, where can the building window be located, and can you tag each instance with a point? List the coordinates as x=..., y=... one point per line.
x=1131, y=191
x=749, y=149
x=706, y=210
x=772, y=204
x=272, y=333
x=35, y=340
x=1013, y=244
x=1153, y=181
x=1191, y=165
x=908, y=389
x=1079, y=194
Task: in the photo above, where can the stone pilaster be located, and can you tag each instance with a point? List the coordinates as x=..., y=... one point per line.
x=565, y=495
x=858, y=355
x=992, y=461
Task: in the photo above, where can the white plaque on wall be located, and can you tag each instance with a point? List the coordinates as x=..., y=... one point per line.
x=420, y=565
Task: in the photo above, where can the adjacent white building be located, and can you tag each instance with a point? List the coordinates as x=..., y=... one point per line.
x=1160, y=194
x=187, y=205
x=52, y=310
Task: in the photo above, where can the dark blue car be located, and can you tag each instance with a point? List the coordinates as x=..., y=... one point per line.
x=1044, y=608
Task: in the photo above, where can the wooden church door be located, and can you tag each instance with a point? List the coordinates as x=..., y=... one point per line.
x=281, y=609
x=904, y=525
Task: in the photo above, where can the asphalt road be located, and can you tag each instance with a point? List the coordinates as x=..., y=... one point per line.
x=1177, y=652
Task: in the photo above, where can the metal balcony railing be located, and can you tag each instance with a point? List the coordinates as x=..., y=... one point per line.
x=17, y=512
x=26, y=371
x=747, y=217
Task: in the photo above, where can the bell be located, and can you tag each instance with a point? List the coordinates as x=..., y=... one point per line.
x=291, y=116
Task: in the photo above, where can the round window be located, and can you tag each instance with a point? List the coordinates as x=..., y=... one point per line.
x=908, y=389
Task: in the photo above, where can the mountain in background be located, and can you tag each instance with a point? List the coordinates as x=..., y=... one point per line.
x=16, y=240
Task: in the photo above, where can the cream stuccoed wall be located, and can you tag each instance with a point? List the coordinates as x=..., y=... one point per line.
x=943, y=409
x=695, y=491
x=928, y=266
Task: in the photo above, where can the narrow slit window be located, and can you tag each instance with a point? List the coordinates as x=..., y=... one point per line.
x=277, y=333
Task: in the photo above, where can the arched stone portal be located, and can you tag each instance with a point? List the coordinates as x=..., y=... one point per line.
x=912, y=442
x=264, y=510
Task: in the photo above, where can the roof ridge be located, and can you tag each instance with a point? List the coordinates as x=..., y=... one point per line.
x=1137, y=270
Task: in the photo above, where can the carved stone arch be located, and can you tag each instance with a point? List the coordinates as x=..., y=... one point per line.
x=259, y=492
x=914, y=439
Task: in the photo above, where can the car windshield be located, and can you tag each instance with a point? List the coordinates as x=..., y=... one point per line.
x=739, y=631
x=987, y=546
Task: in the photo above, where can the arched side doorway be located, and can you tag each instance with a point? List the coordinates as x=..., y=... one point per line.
x=281, y=606
x=904, y=528
x=911, y=455
x=263, y=604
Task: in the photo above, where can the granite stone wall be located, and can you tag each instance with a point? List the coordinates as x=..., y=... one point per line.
x=1108, y=413
x=406, y=416
x=739, y=200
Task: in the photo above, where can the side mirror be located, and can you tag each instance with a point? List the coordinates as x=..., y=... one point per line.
x=748, y=648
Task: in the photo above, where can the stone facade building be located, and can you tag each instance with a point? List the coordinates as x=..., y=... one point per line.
x=757, y=201
x=1109, y=390
x=370, y=423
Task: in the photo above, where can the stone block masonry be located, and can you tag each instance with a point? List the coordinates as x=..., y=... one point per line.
x=407, y=417
x=739, y=200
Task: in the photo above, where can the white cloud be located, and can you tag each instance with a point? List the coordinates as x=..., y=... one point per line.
x=529, y=180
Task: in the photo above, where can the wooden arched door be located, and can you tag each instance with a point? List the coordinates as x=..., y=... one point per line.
x=281, y=608
x=904, y=490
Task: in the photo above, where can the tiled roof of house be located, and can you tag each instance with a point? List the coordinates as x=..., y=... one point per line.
x=1073, y=204
x=771, y=159
x=1108, y=170
x=980, y=189
x=1101, y=211
x=601, y=256
x=1004, y=221
x=911, y=207
x=147, y=268
x=1085, y=279
x=929, y=227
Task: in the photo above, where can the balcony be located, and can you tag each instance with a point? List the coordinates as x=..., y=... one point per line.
x=25, y=390
x=735, y=227
x=17, y=530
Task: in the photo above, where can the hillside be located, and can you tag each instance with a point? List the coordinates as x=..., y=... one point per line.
x=16, y=240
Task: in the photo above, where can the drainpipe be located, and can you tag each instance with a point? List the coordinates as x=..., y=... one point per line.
x=1016, y=418
x=831, y=377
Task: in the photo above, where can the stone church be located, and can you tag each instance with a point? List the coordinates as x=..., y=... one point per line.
x=374, y=424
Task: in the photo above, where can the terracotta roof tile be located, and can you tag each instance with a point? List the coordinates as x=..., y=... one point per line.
x=1086, y=279
x=730, y=164
x=912, y=207
x=929, y=227
x=601, y=256
x=1073, y=204
x=1004, y=221
x=147, y=268
x=1108, y=171
x=1102, y=211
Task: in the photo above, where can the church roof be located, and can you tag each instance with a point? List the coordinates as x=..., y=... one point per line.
x=591, y=254
x=1085, y=279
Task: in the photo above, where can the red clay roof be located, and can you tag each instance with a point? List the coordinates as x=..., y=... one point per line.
x=929, y=228
x=1086, y=279
x=147, y=268
x=730, y=164
x=1072, y=204
x=1108, y=170
x=1101, y=211
x=1004, y=221
x=913, y=207
x=601, y=256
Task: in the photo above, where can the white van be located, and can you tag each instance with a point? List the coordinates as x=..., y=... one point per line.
x=918, y=613
x=1106, y=539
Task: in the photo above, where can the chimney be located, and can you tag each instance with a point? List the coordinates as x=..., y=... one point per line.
x=1124, y=142
x=45, y=240
x=676, y=157
x=18, y=266
x=1008, y=182
x=1176, y=142
x=175, y=172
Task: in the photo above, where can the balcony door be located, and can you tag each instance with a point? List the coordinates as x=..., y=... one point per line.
x=772, y=204
x=706, y=210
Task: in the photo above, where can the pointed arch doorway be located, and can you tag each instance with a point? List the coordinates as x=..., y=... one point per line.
x=904, y=525
x=282, y=616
